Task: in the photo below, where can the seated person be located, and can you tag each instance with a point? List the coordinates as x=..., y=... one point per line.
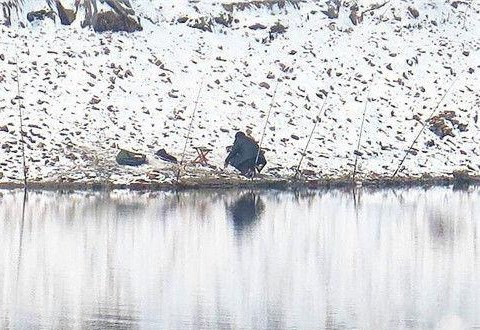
x=243, y=155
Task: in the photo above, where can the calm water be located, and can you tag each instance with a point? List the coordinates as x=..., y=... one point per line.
x=236, y=259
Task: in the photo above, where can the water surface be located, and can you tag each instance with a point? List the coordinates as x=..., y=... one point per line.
x=241, y=259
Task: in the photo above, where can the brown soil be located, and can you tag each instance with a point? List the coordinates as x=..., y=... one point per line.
x=258, y=183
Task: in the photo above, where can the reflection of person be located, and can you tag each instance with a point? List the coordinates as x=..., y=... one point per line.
x=246, y=210
x=243, y=155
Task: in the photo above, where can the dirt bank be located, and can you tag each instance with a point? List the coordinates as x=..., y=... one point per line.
x=257, y=183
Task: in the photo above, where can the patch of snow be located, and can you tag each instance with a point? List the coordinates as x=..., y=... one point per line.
x=87, y=94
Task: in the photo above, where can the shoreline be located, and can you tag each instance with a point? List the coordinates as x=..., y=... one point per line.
x=223, y=183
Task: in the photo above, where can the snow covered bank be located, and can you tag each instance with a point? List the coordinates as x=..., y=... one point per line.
x=84, y=95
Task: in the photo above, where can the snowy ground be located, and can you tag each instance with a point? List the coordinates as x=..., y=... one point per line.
x=85, y=94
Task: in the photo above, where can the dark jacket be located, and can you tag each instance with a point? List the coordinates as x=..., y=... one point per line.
x=244, y=153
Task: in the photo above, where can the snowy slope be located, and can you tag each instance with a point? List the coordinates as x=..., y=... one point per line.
x=86, y=94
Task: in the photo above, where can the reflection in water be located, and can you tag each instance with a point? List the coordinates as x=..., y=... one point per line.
x=442, y=228
x=20, y=240
x=376, y=259
x=246, y=210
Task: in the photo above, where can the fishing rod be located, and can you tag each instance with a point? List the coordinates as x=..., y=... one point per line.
x=424, y=125
x=189, y=129
x=22, y=133
x=356, y=152
x=265, y=127
x=20, y=115
x=316, y=121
